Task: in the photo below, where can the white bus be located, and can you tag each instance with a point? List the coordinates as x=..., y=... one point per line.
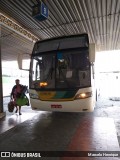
x=62, y=75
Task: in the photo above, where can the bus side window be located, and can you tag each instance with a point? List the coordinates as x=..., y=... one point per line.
x=84, y=78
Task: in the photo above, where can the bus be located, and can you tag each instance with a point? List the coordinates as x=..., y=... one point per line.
x=62, y=74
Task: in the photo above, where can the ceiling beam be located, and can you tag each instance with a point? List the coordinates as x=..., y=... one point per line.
x=9, y=23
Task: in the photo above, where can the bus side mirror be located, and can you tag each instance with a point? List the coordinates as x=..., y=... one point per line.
x=21, y=59
x=92, y=52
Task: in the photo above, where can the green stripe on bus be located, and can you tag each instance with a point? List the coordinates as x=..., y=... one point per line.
x=64, y=94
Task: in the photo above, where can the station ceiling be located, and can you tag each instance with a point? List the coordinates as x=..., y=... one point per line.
x=99, y=18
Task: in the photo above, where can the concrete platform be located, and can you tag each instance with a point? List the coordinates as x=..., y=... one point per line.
x=48, y=131
x=94, y=134
x=9, y=120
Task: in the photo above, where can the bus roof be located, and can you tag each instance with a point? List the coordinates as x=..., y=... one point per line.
x=61, y=43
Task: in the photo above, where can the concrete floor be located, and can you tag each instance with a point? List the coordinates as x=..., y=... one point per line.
x=109, y=109
x=44, y=131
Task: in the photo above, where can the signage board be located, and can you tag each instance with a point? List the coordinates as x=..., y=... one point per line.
x=40, y=11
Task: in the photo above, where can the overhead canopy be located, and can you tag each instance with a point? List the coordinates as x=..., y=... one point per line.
x=13, y=44
x=99, y=18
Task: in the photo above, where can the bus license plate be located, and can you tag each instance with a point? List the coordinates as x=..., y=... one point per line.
x=56, y=106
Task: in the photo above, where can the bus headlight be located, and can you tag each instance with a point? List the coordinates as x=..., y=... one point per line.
x=83, y=95
x=34, y=96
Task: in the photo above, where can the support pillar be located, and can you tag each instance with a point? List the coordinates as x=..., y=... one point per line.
x=1, y=85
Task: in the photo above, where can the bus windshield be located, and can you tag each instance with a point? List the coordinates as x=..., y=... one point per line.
x=60, y=70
